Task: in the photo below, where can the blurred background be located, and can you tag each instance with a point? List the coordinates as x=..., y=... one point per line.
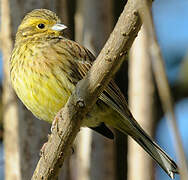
x=95, y=157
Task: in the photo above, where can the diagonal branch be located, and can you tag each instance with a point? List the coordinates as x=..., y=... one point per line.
x=87, y=92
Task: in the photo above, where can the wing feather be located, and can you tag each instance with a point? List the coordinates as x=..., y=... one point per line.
x=112, y=95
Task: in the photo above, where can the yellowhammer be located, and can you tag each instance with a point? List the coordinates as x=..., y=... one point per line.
x=45, y=67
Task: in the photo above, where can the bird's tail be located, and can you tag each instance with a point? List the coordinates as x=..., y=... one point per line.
x=139, y=135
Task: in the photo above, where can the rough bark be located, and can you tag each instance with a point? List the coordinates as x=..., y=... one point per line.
x=141, y=91
x=87, y=91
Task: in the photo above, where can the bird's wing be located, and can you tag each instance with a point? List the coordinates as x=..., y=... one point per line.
x=112, y=95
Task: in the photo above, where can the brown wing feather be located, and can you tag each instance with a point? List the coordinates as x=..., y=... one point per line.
x=112, y=94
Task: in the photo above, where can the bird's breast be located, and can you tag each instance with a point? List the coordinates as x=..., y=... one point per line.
x=41, y=85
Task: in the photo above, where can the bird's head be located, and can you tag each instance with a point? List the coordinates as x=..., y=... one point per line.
x=40, y=23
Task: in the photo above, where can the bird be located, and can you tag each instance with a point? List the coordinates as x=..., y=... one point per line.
x=45, y=67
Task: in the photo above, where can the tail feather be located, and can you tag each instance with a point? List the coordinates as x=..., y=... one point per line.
x=158, y=155
x=140, y=136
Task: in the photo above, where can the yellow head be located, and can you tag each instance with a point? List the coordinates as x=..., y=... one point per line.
x=39, y=23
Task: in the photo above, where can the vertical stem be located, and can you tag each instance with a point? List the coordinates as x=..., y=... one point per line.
x=10, y=116
x=163, y=86
x=141, y=92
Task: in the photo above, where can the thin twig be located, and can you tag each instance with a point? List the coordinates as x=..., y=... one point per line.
x=162, y=84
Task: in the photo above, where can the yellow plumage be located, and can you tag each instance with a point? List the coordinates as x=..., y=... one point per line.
x=34, y=78
x=45, y=68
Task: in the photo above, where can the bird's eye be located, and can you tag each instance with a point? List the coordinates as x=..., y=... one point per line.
x=41, y=26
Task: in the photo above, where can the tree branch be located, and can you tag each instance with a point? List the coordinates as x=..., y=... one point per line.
x=87, y=92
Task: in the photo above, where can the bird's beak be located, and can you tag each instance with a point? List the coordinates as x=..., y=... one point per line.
x=59, y=27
